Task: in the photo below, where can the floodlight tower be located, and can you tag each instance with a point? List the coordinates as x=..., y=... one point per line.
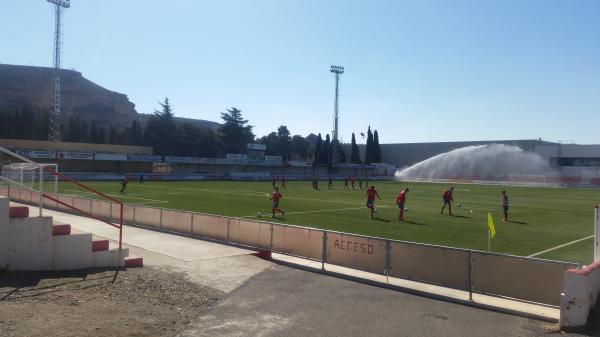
x=335, y=148
x=54, y=116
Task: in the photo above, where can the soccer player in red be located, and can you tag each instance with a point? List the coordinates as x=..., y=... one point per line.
x=124, y=182
x=276, y=197
x=447, y=199
x=353, y=181
x=371, y=194
x=400, y=200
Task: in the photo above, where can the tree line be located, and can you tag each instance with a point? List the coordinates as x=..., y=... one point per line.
x=171, y=137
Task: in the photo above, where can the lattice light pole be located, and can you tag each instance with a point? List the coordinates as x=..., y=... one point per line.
x=335, y=143
x=54, y=116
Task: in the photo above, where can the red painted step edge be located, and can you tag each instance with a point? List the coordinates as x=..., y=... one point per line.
x=18, y=212
x=61, y=230
x=99, y=245
x=134, y=262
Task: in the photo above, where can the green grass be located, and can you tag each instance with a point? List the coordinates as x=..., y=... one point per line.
x=541, y=218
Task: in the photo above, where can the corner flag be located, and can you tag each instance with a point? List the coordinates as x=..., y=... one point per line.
x=491, y=225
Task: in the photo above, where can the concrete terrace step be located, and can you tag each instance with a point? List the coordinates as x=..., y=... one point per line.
x=62, y=229
x=18, y=212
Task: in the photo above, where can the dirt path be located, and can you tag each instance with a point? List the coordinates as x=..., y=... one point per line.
x=134, y=302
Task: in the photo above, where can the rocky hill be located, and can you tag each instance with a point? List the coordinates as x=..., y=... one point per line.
x=33, y=86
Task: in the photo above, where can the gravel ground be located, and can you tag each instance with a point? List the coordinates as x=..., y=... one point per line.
x=100, y=302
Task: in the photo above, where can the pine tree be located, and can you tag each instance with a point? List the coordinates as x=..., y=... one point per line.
x=376, y=148
x=235, y=133
x=354, y=152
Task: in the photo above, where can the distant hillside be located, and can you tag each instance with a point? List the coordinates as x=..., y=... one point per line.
x=33, y=86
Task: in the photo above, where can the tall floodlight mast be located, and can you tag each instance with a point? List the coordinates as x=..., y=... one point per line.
x=335, y=143
x=54, y=116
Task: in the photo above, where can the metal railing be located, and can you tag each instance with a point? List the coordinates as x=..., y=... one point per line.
x=44, y=168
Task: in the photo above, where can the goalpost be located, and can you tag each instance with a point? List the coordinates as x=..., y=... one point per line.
x=32, y=175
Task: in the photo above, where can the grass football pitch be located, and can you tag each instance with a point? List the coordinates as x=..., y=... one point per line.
x=540, y=219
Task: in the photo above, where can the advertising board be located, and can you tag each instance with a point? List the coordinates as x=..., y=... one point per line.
x=75, y=155
x=110, y=156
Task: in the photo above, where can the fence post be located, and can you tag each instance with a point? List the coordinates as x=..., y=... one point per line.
x=324, y=251
x=470, y=276
x=134, y=208
x=161, y=218
x=41, y=188
x=271, y=239
x=388, y=259
x=110, y=211
x=228, y=222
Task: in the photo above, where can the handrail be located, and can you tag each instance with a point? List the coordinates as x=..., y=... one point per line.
x=87, y=214
x=120, y=203
x=44, y=168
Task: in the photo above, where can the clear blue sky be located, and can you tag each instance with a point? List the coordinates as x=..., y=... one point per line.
x=466, y=70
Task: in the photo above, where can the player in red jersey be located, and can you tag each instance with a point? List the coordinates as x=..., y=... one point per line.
x=371, y=194
x=353, y=181
x=447, y=199
x=124, y=182
x=400, y=200
x=276, y=197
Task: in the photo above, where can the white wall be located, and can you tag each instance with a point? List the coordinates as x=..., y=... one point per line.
x=580, y=295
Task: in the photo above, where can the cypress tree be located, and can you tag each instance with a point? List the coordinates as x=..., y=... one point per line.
x=369, y=150
x=354, y=153
x=376, y=148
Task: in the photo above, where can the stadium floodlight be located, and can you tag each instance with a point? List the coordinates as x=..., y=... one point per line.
x=62, y=3
x=335, y=151
x=54, y=115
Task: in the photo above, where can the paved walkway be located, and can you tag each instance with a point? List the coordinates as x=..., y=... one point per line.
x=219, y=266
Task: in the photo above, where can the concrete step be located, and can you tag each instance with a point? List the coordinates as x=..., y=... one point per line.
x=133, y=262
x=18, y=212
x=99, y=245
x=62, y=229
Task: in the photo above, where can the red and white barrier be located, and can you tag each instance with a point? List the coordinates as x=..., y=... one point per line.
x=582, y=287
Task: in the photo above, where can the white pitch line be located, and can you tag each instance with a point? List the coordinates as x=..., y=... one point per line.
x=321, y=210
x=262, y=194
x=561, y=246
x=125, y=197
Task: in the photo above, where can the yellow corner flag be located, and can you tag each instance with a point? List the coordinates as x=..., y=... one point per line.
x=491, y=225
